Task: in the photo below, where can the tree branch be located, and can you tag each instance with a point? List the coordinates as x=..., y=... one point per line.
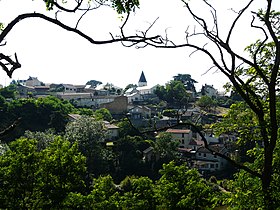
x=136, y=39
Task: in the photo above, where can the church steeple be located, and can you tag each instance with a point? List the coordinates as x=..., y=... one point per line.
x=142, y=81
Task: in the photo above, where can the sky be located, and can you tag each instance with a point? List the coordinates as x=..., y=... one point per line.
x=54, y=55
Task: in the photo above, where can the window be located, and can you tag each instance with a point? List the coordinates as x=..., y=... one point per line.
x=215, y=156
x=211, y=165
x=199, y=154
x=183, y=141
x=183, y=135
x=204, y=155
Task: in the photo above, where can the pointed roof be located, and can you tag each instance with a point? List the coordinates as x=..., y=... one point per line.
x=142, y=77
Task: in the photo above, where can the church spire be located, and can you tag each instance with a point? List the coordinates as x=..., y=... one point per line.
x=142, y=81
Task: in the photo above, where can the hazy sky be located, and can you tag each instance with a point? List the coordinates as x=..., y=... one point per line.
x=57, y=56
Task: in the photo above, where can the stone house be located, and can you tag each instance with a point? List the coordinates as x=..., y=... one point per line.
x=139, y=112
x=24, y=90
x=206, y=161
x=113, y=130
x=66, y=88
x=42, y=90
x=32, y=82
x=209, y=90
x=183, y=136
x=115, y=104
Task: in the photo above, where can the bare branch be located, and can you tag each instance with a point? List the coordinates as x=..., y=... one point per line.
x=79, y=3
x=14, y=64
x=10, y=128
x=82, y=17
x=136, y=39
x=236, y=19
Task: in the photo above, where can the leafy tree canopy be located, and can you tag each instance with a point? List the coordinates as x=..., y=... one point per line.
x=93, y=83
x=187, y=80
x=206, y=102
x=33, y=179
x=103, y=114
x=173, y=92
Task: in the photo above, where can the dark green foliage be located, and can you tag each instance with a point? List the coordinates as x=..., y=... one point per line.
x=183, y=188
x=85, y=111
x=33, y=179
x=126, y=129
x=36, y=115
x=129, y=151
x=103, y=114
x=104, y=196
x=170, y=113
x=93, y=83
x=44, y=139
x=124, y=6
x=206, y=103
x=187, y=80
x=91, y=135
x=246, y=192
x=129, y=86
x=8, y=92
x=1, y=26
x=178, y=188
x=166, y=148
x=173, y=93
x=138, y=193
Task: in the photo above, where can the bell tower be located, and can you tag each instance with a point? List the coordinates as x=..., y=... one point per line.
x=142, y=81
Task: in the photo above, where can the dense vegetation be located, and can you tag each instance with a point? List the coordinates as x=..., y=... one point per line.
x=60, y=164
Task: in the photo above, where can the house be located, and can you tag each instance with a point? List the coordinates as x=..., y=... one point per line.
x=194, y=144
x=209, y=90
x=132, y=90
x=210, y=139
x=113, y=130
x=24, y=90
x=78, y=99
x=32, y=82
x=146, y=90
x=133, y=97
x=206, y=161
x=80, y=88
x=139, y=112
x=116, y=105
x=74, y=117
x=66, y=88
x=148, y=154
x=42, y=90
x=183, y=136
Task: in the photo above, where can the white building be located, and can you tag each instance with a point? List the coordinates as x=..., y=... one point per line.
x=183, y=136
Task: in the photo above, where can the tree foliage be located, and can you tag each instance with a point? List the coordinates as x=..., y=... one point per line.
x=206, y=103
x=32, y=179
x=178, y=188
x=183, y=188
x=166, y=147
x=35, y=115
x=93, y=83
x=173, y=92
x=255, y=77
x=8, y=92
x=103, y=114
x=187, y=80
x=90, y=136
